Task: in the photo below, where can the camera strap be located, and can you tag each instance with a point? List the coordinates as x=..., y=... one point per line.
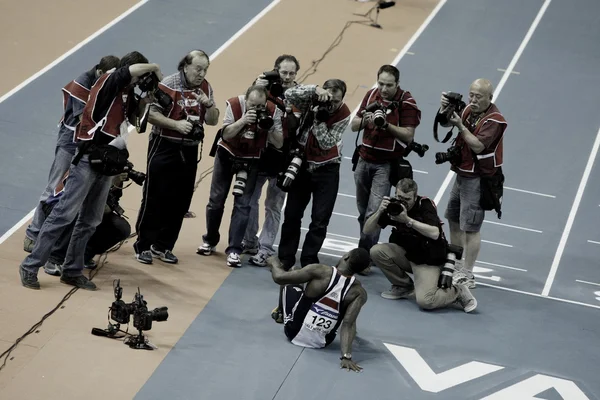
x=441, y=118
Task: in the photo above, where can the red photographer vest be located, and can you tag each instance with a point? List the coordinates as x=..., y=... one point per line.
x=243, y=145
x=76, y=90
x=491, y=157
x=110, y=124
x=186, y=103
x=314, y=153
x=381, y=146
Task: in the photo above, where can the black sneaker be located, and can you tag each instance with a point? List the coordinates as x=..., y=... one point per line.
x=79, y=281
x=145, y=257
x=29, y=279
x=91, y=264
x=166, y=256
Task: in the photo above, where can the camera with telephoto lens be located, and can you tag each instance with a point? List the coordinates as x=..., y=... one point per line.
x=453, y=155
x=275, y=85
x=396, y=206
x=454, y=253
x=121, y=312
x=285, y=179
x=240, y=169
x=380, y=111
x=148, y=83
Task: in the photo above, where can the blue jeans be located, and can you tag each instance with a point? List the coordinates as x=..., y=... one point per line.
x=273, y=204
x=83, y=201
x=372, y=184
x=222, y=177
x=62, y=159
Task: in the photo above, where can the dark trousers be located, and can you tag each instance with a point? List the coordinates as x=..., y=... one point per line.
x=167, y=194
x=220, y=186
x=322, y=184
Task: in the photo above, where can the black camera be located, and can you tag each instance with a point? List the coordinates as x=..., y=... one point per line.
x=456, y=103
x=418, y=148
x=197, y=132
x=136, y=176
x=285, y=179
x=275, y=85
x=322, y=113
x=240, y=169
x=453, y=155
x=396, y=207
x=263, y=119
x=380, y=112
x=121, y=312
x=454, y=253
x=148, y=83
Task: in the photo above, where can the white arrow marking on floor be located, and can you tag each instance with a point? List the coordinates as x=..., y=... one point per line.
x=529, y=388
x=428, y=380
x=485, y=270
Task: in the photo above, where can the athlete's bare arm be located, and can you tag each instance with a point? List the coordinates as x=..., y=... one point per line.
x=302, y=275
x=356, y=298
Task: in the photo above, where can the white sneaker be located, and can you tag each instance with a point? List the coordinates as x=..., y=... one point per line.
x=463, y=276
x=52, y=269
x=206, y=249
x=466, y=300
x=398, y=292
x=233, y=260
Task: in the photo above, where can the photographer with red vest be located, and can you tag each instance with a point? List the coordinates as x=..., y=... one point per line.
x=250, y=123
x=479, y=159
x=75, y=96
x=111, y=104
x=325, y=117
x=387, y=133
x=173, y=148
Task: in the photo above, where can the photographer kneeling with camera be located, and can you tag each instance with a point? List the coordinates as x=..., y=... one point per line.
x=417, y=245
x=178, y=130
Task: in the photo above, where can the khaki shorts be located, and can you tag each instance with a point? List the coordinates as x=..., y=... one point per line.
x=463, y=205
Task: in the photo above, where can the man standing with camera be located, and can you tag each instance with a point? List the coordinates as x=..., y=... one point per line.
x=272, y=162
x=325, y=117
x=111, y=105
x=178, y=130
x=417, y=245
x=478, y=156
x=250, y=123
x=389, y=117
x=75, y=96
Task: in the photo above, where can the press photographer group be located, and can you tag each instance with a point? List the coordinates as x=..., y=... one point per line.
x=288, y=136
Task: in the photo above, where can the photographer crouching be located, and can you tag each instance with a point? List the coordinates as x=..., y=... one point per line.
x=101, y=154
x=476, y=157
x=178, y=130
x=113, y=229
x=417, y=245
x=250, y=123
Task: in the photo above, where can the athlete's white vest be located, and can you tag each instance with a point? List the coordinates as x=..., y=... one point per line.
x=324, y=314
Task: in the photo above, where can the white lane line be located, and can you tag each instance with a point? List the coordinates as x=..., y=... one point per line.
x=89, y=39
x=565, y=236
x=347, y=195
x=589, y=283
x=530, y=192
x=513, y=226
x=496, y=243
x=73, y=50
x=500, y=266
x=505, y=76
x=593, y=241
x=344, y=215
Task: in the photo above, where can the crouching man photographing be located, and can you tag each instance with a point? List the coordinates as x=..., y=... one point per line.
x=332, y=296
x=417, y=245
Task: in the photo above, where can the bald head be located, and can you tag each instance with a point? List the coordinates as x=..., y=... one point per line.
x=195, y=66
x=481, y=93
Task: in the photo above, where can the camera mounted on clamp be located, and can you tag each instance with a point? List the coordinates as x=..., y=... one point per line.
x=453, y=253
x=121, y=313
x=148, y=84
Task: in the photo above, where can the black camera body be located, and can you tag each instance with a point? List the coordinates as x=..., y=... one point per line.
x=121, y=312
x=418, y=148
x=263, y=119
x=380, y=112
x=275, y=85
x=197, y=132
x=148, y=83
x=322, y=113
x=452, y=155
x=396, y=207
x=456, y=102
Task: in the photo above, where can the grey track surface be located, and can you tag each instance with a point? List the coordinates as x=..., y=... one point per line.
x=233, y=350
x=28, y=119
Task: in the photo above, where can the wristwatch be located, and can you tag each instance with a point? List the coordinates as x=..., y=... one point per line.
x=346, y=356
x=409, y=223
